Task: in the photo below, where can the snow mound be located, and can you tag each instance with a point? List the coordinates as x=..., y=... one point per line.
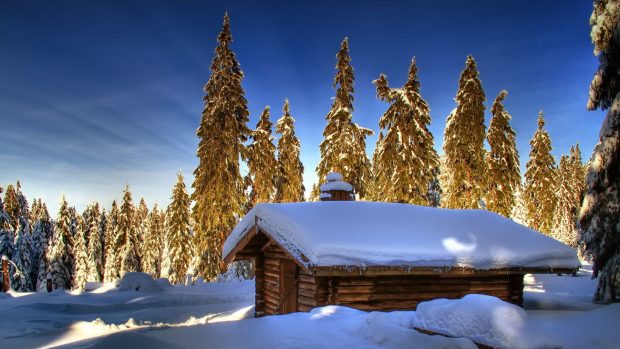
x=135, y=281
x=394, y=331
x=336, y=185
x=92, y=285
x=333, y=176
x=484, y=319
x=163, y=282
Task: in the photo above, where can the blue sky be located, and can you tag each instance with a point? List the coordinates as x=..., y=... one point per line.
x=94, y=95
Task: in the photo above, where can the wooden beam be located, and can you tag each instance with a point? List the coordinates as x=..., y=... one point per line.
x=444, y=272
x=230, y=257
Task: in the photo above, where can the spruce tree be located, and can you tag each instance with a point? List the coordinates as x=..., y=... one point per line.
x=463, y=143
x=565, y=215
x=600, y=212
x=141, y=213
x=42, y=235
x=378, y=184
x=289, y=181
x=538, y=192
x=178, y=232
x=125, y=243
x=504, y=173
x=262, y=161
x=6, y=238
x=80, y=251
x=62, y=259
x=218, y=185
x=110, y=272
x=95, y=230
x=406, y=160
x=21, y=268
x=343, y=148
x=12, y=209
x=153, y=243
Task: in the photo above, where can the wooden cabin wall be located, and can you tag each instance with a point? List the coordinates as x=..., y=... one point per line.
x=405, y=292
x=271, y=288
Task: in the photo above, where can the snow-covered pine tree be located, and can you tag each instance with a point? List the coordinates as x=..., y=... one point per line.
x=406, y=160
x=110, y=271
x=6, y=237
x=12, y=209
x=125, y=243
x=153, y=243
x=94, y=223
x=565, y=215
x=377, y=184
x=21, y=268
x=178, y=231
x=343, y=148
x=62, y=258
x=42, y=235
x=600, y=212
x=289, y=182
x=503, y=171
x=578, y=176
x=463, y=143
x=218, y=185
x=141, y=213
x=262, y=161
x=538, y=193
x=80, y=251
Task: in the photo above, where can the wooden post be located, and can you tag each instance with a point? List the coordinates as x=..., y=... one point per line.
x=5, y=274
x=49, y=282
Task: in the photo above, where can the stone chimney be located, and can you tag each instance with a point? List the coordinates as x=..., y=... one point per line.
x=335, y=189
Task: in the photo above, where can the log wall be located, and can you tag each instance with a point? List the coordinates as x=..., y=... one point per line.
x=406, y=291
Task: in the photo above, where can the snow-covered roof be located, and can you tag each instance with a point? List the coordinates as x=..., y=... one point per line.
x=336, y=185
x=358, y=233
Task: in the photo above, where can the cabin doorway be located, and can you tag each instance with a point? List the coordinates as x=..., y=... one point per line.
x=288, y=286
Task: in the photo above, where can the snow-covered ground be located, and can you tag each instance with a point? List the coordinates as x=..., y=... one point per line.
x=558, y=313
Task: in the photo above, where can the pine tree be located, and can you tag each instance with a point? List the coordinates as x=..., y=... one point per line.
x=80, y=251
x=343, y=148
x=42, y=235
x=110, y=272
x=463, y=143
x=504, y=173
x=141, y=213
x=218, y=185
x=406, y=160
x=153, y=243
x=178, y=233
x=94, y=222
x=21, y=269
x=63, y=260
x=378, y=184
x=262, y=161
x=578, y=170
x=538, y=193
x=125, y=243
x=6, y=237
x=289, y=181
x=12, y=209
x=565, y=215
x=600, y=212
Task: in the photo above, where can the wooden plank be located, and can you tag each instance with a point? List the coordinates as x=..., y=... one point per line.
x=306, y=301
x=307, y=279
x=306, y=293
x=305, y=308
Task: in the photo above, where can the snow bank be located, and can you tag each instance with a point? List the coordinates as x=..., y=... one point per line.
x=394, y=330
x=484, y=319
x=135, y=281
x=389, y=234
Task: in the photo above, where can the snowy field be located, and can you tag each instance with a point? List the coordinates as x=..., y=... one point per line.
x=559, y=314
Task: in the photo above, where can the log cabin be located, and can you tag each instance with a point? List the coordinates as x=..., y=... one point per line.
x=385, y=256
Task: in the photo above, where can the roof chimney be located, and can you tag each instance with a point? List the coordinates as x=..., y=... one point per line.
x=335, y=189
